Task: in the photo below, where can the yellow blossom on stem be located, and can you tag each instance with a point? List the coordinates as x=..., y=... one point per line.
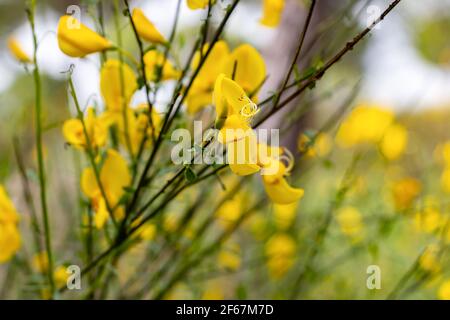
x=111, y=86
x=280, y=252
x=350, y=222
x=272, y=12
x=246, y=66
x=96, y=130
x=17, y=52
x=60, y=275
x=284, y=214
x=320, y=147
x=10, y=240
x=154, y=64
x=230, y=257
x=429, y=260
x=145, y=28
x=114, y=177
x=200, y=94
x=77, y=40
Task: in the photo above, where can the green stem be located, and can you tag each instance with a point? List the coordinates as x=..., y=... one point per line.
x=40, y=156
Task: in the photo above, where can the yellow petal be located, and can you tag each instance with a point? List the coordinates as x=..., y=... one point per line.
x=272, y=12
x=281, y=192
x=8, y=213
x=394, y=142
x=198, y=4
x=77, y=40
x=10, y=241
x=242, y=156
x=110, y=84
x=235, y=128
x=248, y=67
x=146, y=28
x=101, y=214
x=89, y=184
x=17, y=51
x=114, y=176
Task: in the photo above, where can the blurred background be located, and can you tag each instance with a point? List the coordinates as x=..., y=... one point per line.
x=403, y=65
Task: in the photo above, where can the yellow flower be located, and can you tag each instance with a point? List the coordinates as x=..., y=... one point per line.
x=213, y=291
x=230, y=212
x=147, y=232
x=365, y=124
x=114, y=177
x=280, y=252
x=138, y=126
x=60, y=275
x=405, y=191
x=96, y=130
x=229, y=257
x=350, y=222
x=248, y=68
x=234, y=109
x=153, y=65
x=285, y=214
x=16, y=50
x=394, y=142
x=198, y=4
x=429, y=260
x=39, y=263
x=111, y=86
x=10, y=240
x=429, y=220
x=200, y=94
x=145, y=28
x=272, y=12
x=444, y=291
x=445, y=180
x=321, y=146
x=77, y=40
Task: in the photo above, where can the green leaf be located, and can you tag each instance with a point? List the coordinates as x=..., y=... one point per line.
x=189, y=174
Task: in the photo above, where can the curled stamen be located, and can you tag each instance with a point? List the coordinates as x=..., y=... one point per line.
x=288, y=157
x=249, y=110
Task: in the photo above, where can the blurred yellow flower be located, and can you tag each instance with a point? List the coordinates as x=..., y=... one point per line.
x=405, y=191
x=394, y=142
x=285, y=214
x=17, y=52
x=272, y=12
x=229, y=257
x=213, y=291
x=230, y=212
x=365, y=124
x=96, y=131
x=116, y=97
x=60, y=275
x=428, y=220
x=39, y=262
x=148, y=232
x=350, y=222
x=429, y=260
x=10, y=240
x=154, y=60
x=199, y=4
x=77, y=40
x=114, y=177
x=321, y=146
x=445, y=180
x=145, y=28
x=280, y=252
x=444, y=291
